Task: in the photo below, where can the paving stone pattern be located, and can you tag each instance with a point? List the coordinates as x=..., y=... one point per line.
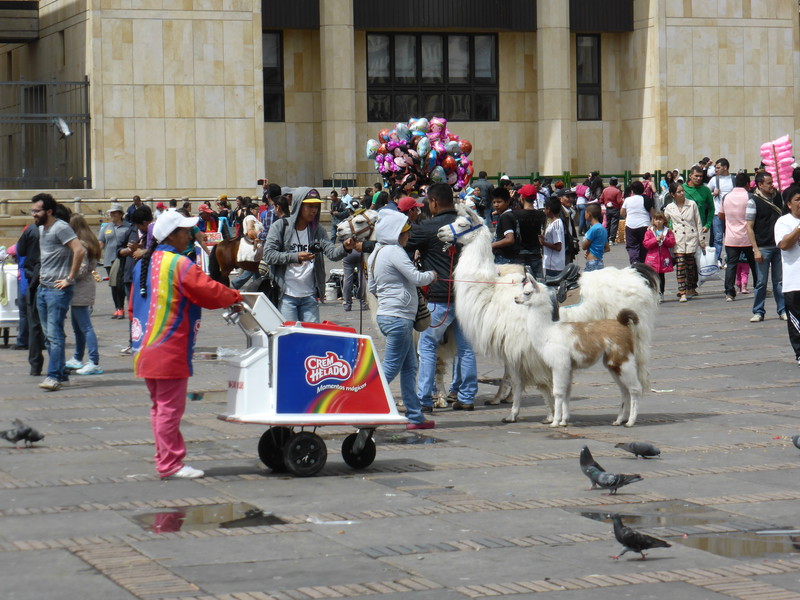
x=472, y=509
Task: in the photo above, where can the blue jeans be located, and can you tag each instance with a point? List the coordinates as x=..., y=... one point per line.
x=85, y=337
x=429, y=341
x=53, y=305
x=401, y=358
x=300, y=309
x=717, y=236
x=772, y=260
x=582, y=218
x=501, y=260
x=238, y=282
x=593, y=265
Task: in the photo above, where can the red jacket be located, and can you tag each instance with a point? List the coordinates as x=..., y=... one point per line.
x=659, y=256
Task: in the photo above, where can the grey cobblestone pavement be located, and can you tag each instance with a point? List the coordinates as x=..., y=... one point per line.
x=471, y=509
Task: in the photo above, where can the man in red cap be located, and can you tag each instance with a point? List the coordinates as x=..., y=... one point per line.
x=409, y=207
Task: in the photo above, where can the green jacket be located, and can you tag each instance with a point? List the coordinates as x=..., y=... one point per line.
x=704, y=200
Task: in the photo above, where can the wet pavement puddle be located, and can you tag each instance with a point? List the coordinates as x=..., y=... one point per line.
x=211, y=516
x=753, y=540
x=404, y=438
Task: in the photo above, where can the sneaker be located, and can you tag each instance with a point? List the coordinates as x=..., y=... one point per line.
x=784, y=317
x=187, y=472
x=728, y=298
x=719, y=264
x=426, y=409
x=126, y=350
x=90, y=368
x=458, y=405
x=660, y=298
x=683, y=298
x=756, y=318
x=73, y=364
x=117, y=314
x=745, y=290
x=348, y=307
x=693, y=293
x=50, y=384
x=424, y=425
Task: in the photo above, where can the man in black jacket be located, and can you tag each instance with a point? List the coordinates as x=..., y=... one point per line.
x=441, y=303
x=28, y=247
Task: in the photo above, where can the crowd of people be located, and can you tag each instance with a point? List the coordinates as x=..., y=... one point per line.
x=149, y=260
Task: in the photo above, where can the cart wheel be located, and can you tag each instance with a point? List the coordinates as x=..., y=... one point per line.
x=305, y=454
x=364, y=458
x=270, y=447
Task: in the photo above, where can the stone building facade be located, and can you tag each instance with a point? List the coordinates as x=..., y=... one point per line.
x=200, y=97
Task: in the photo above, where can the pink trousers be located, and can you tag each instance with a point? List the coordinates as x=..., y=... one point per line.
x=168, y=397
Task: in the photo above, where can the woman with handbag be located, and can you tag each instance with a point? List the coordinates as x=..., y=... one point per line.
x=394, y=281
x=658, y=239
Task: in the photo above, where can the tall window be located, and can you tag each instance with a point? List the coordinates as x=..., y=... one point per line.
x=272, y=58
x=445, y=75
x=587, y=57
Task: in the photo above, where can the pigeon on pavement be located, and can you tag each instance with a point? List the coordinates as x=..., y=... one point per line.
x=22, y=433
x=796, y=440
x=633, y=540
x=638, y=449
x=598, y=476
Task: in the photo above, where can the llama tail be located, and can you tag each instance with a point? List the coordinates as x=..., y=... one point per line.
x=640, y=340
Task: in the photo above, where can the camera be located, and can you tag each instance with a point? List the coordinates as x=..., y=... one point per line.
x=315, y=248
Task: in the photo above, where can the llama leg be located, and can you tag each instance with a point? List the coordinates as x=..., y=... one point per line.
x=504, y=391
x=561, y=397
x=516, y=389
x=630, y=378
x=547, y=395
x=440, y=400
x=565, y=407
x=624, y=407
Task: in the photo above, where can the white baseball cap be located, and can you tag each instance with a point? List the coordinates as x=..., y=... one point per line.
x=169, y=222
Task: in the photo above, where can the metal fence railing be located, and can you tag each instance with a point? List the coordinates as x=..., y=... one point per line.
x=44, y=135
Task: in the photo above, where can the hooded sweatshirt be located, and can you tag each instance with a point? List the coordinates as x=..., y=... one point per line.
x=281, y=236
x=391, y=274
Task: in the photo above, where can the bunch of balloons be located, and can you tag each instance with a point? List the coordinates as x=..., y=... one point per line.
x=778, y=158
x=421, y=152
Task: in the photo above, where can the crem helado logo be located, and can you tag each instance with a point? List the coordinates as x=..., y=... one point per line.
x=325, y=367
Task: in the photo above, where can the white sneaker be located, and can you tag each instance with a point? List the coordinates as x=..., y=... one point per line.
x=73, y=364
x=50, y=384
x=187, y=472
x=90, y=368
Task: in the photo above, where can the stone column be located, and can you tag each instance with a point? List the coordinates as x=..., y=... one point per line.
x=556, y=101
x=337, y=59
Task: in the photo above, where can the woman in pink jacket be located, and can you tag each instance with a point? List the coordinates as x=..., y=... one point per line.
x=658, y=239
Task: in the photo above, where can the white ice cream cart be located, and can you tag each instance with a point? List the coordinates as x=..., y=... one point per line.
x=9, y=311
x=305, y=375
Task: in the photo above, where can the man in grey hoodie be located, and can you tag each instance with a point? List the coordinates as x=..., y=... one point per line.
x=294, y=249
x=394, y=280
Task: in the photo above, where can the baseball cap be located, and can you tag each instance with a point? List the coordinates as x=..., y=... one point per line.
x=169, y=222
x=406, y=203
x=205, y=208
x=312, y=197
x=528, y=190
x=161, y=206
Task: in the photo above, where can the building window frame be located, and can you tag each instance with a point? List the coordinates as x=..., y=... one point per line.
x=272, y=74
x=458, y=90
x=588, y=77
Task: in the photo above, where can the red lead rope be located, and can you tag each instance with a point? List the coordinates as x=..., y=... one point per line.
x=452, y=251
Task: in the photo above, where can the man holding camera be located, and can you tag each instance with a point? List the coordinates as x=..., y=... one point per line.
x=294, y=250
